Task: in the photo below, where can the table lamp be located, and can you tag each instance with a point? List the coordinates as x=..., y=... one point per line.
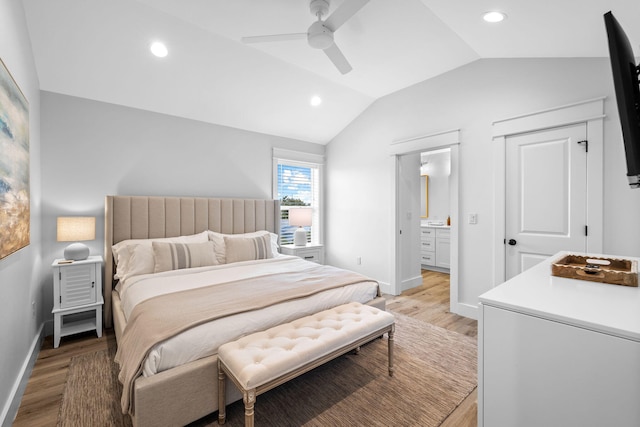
x=76, y=229
x=302, y=218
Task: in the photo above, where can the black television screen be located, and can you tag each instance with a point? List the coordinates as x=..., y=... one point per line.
x=627, y=87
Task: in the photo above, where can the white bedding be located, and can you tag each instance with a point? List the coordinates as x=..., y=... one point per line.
x=205, y=339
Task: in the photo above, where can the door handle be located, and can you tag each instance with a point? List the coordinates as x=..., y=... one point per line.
x=512, y=242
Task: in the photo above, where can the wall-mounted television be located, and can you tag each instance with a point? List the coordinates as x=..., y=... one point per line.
x=627, y=88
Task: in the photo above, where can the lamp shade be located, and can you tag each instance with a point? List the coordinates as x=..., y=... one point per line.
x=300, y=216
x=75, y=229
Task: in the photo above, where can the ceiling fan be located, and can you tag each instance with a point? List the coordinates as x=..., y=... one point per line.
x=320, y=33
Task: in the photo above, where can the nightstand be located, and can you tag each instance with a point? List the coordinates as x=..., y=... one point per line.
x=77, y=297
x=311, y=252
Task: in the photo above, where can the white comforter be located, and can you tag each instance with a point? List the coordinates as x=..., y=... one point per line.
x=204, y=340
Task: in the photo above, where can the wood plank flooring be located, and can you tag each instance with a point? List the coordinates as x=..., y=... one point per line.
x=430, y=303
x=42, y=397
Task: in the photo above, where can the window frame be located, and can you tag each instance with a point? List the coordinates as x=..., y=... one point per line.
x=306, y=160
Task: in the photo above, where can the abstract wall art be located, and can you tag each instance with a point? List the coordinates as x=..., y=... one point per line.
x=14, y=166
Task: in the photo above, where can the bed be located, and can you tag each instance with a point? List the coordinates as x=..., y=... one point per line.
x=169, y=387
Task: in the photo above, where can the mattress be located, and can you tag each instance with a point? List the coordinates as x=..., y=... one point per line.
x=204, y=340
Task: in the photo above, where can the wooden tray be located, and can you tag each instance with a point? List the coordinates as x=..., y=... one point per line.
x=615, y=271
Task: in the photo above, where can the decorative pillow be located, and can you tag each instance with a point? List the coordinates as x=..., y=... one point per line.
x=135, y=256
x=220, y=247
x=247, y=248
x=176, y=256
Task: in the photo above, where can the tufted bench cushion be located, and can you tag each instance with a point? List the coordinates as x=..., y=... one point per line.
x=261, y=361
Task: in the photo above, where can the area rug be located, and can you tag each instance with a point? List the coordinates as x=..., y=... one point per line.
x=435, y=370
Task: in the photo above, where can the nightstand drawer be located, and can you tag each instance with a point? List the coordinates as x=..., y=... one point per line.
x=310, y=255
x=313, y=253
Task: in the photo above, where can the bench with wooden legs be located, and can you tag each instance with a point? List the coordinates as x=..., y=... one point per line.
x=261, y=361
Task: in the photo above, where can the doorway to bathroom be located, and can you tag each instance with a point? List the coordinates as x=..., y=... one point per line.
x=435, y=227
x=407, y=213
x=435, y=215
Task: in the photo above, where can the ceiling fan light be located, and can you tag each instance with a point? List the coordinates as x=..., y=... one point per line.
x=319, y=36
x=494, y=16
x=315, y=101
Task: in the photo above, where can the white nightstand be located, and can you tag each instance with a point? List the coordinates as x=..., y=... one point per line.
x=77, y=297
x=311, y=252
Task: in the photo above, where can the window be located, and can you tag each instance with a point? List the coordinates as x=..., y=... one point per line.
x=297, y=183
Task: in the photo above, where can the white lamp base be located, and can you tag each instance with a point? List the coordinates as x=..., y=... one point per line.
x=300, y=237
x=76, y=252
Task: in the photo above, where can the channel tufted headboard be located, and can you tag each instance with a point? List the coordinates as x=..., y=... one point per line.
x=147, y=217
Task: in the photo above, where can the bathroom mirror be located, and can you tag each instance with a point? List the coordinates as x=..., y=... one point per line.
x=424, y=191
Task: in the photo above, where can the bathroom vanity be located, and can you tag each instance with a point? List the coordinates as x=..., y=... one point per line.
x=435, y=247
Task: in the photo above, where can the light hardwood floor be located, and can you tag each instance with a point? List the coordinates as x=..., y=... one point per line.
x=430, y=303
x=41, y=400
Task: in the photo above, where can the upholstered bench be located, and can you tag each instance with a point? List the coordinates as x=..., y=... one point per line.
x=261, y=361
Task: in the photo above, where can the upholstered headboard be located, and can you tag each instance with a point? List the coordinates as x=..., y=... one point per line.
x=147, y=217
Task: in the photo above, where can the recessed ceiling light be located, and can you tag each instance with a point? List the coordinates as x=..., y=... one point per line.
x=159, y=49
x=494, y=16
x=315, y=100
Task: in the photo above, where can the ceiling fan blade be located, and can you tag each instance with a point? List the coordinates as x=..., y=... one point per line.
x=344, y=13
x=274, y=38
x=338, y=59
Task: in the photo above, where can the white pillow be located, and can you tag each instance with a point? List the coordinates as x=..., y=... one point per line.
x=219, y=245
x=135, y=256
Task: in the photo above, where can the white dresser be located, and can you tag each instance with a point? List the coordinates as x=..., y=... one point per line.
x=435, y=249
x=558, y=352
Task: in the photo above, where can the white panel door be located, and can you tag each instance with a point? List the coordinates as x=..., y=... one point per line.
x=546, y=195
x=409, y=218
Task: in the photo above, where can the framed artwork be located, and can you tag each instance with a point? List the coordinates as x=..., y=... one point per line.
x=14, y=166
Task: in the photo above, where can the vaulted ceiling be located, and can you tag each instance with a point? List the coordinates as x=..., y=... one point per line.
x=100, y=50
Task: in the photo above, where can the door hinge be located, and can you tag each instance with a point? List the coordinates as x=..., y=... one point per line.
x=60, y=275
x=586, y=230
x=60, y=299
x=586, y=145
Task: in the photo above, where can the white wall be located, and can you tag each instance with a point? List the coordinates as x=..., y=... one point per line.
x=91, y=149
x=469, y=98
x=21, y=272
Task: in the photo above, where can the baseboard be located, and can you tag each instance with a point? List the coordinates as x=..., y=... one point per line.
x=411, y=283
x=466, y=310
x=386, y=288
x=434, y=268
x=12, y=405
